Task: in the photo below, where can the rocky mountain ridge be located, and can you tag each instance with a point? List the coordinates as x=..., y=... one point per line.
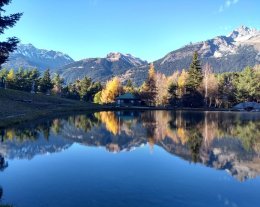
x=101, y=69
x=28, y=56
x=232, y=52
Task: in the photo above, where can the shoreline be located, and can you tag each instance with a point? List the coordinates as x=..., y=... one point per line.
x=15, y=110
x=34, y=116
x=19, y=119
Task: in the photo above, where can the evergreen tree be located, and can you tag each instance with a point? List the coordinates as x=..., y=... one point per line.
x=45, y=82
x=71, y=92
x=246, y=85
x=88, y=89
x=22, y=81
x=84, y=89
x=129, y=83
x=84, y=86
x=34, y=76
x=57, y=84
x=129, y=87
x=3, y=75
x=226, y=89
x=195, y=75
x=8, y=46
x=92, y=90
x=257, y=74
x=195, y=141
x=172, y=91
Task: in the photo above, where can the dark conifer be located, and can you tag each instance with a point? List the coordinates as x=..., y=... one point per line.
x=195, y=75
x=8, y=46
x=45, y=82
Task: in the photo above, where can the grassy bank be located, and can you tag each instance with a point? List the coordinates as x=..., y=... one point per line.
x=17, y=106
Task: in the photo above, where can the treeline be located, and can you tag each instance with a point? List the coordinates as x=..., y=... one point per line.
x=32, y=81
x=197, y=86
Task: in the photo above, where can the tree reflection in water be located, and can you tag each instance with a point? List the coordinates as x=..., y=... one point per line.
x=3, y=165
x=207, y=137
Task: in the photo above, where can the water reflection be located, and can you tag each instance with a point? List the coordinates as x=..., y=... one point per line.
x=222, y=140
x=3, y=163
x=3, y=166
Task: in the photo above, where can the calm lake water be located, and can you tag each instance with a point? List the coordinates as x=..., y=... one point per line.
x=117, y=159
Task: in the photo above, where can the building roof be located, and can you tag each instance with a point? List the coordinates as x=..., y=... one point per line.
x=127, y=96
x=244, y=105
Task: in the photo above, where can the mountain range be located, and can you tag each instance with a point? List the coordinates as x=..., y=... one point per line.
x=27, y=56
x=101, y=69
x=233, y=52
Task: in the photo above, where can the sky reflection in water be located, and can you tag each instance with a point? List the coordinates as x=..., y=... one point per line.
x=151, y=158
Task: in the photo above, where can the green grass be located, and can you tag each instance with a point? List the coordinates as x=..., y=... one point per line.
x=14, y=111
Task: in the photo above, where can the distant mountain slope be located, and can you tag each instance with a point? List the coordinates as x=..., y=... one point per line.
x=28, y=56
x=234, y=52
x=101, y=69
x=225, y=53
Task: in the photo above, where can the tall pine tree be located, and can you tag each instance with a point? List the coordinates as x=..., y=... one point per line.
x=8, y=46
x=195, y=75
x=45, y=82
x=247, y=85
x=57, y=84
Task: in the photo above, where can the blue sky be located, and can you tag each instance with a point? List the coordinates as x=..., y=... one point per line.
x=148, y=29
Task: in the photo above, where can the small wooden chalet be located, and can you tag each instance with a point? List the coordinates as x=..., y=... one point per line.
x=128, y=99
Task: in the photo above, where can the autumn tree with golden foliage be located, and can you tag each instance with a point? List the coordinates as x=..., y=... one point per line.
x=210, y=85
x=112, y=89
x=110, y=120
x=148, y=89
x=11, y=75
x=162, y=94
x=182, y=81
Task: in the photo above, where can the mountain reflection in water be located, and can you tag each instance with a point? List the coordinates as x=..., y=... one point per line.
x=221, y=140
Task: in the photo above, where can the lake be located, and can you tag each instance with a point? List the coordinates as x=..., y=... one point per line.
x=150, y=158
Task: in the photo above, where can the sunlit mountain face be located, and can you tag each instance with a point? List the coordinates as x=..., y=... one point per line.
x=226, y=53
x=28, y=56
x=220, y=140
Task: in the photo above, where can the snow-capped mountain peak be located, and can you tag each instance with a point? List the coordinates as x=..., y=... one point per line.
x=28, y=50
x=233, y=52
x=29, y=56
x=244, y=33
